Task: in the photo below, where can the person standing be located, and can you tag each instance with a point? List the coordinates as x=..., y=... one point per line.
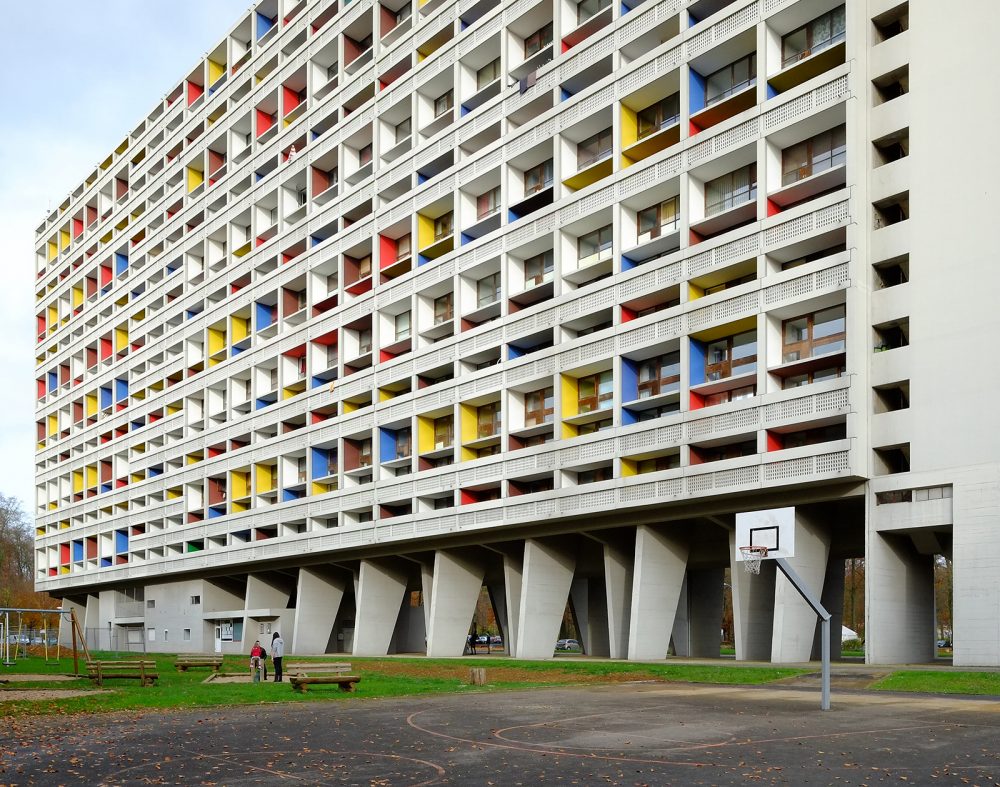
x=277, y=654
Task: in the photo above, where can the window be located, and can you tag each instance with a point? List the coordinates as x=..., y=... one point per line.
x=538, y=268
x=488, y=420
x=364, y=341
x=658, y=219
x=186, y=636
x=594, y=427
x=401, y=322
x=538, y=178
x=731, y=356
x=488, y=290
x=594, y=148
x=443, y=226
x=195, y=600
x=488, y=203
x=594, y=243
x=403, y=129
x=798, y=380
x=593, y=476
x=668, y=462
x=596, y=392
x=404, y=444
x=151, y=635
x=734, y=395
x=403, y=13
x=731, y=79
x=443, y=103
x=444, y=432
x=812, y=335
x=821, y=434
x=822, y=32
x=364, y=154
x=659, y=375
x=538, y=40
x=731, y=190
x=663, y=114
x=365, y=452
x=816, y=154
x=488, y=73
x=365, y=267
x=539, y=406
x=150, y=603
x=166, y=635
x=442, y=308
x=403, y=249
x=585, y=9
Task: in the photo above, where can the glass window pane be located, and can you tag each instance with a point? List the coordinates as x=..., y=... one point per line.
x=796, y=330
x=829, y=322
x=744, y=345
x=793, y=45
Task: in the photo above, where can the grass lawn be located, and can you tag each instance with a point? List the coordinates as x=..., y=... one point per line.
x=934, y=682
x=380, y=678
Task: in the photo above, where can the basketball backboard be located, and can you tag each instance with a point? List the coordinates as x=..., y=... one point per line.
x=773, y=528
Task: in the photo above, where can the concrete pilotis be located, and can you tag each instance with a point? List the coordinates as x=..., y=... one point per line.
x=660, y=565
x=547, y=576
x=458, y=580
x=319, y=595
x=899, y=601
x=381, y=586
x=794, y=620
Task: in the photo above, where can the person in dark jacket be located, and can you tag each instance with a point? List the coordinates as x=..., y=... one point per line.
x=277, y=654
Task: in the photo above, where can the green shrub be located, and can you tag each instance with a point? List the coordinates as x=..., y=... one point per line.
x=852, y=644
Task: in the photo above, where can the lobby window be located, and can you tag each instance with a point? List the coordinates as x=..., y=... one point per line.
x=537, y=178
x=594, y=243
x=731, y=356
x=487, y=74
x=663, y=114
x=443, y=225
x=658, y=219
x=812, y=335
x=538, y=268
x=444, y=432
x=731, y=79
x=822, y=152
x=815, y=36
x=659, y=375
x=488, y=290
x=442, y=308
x=539, y=406
x=596, y=392
x=444, y=103
x=594, y=149
x=731, y=190
x=537, y=41
x=585, y=9
x=488, y=203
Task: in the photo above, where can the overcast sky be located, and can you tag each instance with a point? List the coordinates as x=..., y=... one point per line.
x=78, y=76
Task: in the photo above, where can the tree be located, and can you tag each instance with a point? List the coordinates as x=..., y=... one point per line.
x=17, y=560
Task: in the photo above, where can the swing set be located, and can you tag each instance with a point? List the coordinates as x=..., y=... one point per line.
x=18, y=639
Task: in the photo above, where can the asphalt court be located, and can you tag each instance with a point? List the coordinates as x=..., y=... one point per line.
x=632, y=734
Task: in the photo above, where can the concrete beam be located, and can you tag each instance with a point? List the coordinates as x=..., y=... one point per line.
x=458, y=580
x=660, y=565
x=381, y=586
x=547, y=576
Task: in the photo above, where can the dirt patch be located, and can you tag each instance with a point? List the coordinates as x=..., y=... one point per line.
x=394, y=668
x=25, y=678
x=37, y=695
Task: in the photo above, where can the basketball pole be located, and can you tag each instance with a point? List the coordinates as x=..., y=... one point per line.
x=824, y=617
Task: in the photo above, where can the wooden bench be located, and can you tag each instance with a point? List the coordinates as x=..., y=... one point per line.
x=143, y=671
x=301, y=674
x=184, y=663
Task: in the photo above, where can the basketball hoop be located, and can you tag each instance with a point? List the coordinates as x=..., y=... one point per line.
x=752, y=557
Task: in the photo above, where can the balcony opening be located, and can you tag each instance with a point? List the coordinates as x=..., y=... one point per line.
x=893, y=397
x=892, y=23
x=891, y=210
x=892, y=460
x=892, y=85
x=892, y=273
x=891, y=335
x=891, y=148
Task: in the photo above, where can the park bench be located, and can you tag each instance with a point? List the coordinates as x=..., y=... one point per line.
x=302, y=674
x=143, y=671
x=184, y=663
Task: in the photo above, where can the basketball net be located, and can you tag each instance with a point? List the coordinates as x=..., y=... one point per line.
x=752, y=557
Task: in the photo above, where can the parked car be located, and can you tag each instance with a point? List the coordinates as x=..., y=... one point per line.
x=482, y=639
x=496, y=639
x=567, y=644
x=944, y=643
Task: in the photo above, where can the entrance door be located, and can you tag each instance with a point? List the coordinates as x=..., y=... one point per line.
x=218, y=639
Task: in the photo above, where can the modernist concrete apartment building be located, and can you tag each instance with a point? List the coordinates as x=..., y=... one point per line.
x=385, y=303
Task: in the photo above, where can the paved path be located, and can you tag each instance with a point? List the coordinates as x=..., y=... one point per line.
x=633, y=734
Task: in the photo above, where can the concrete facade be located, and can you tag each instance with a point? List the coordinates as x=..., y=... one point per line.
x=386, y=304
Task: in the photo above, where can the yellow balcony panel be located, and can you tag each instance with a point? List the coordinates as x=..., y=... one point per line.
x=590, y=175
x=651, y=144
